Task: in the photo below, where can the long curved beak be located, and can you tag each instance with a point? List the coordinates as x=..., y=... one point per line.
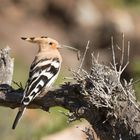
x=69, y=47
x=59, y=46
x=74, y=49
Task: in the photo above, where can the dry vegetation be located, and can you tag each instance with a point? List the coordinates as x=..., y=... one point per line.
x=101, y=97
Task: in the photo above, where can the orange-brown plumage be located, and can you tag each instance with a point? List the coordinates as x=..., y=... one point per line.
x=48, y=47
x=43, y=71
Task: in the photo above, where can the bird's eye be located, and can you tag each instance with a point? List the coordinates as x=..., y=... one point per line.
x=50, y=43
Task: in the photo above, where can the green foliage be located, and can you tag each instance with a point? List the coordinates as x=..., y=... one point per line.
x=56, y=122
x=137, y=88
x=20, y=72
x=131, y=2
x=135, y=66
x=124, y=3
x=35, y=124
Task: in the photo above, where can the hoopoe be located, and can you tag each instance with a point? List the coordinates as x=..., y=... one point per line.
x=43, y=71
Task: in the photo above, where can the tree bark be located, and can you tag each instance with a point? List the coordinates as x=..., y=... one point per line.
x=99, y=97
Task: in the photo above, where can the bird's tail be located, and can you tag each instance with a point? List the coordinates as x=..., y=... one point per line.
x=18, y=116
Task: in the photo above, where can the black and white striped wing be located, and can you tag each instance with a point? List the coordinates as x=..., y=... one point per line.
x=42, y=74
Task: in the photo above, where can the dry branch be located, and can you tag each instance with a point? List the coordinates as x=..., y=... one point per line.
x=6, y=66
x=99, y=97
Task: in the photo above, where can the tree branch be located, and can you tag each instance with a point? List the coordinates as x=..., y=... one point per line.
x=98, y=96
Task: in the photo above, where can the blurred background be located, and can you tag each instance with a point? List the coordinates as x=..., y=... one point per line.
x=72, y=23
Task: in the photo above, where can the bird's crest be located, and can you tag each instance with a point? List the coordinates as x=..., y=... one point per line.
x=36, y=39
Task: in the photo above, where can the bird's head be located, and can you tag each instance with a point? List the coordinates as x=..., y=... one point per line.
x=44, y=42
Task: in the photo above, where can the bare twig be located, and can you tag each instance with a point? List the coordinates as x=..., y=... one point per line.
x=122, y=54
x=95, y=59
x=89, y=133
x=82, y=61
x=135, y=82
x=19, y=85
x=128, y=54
x=113, y=55
x=98, y=96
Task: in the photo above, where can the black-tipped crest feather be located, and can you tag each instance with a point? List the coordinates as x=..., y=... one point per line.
x=23, y=38
x=32, y=38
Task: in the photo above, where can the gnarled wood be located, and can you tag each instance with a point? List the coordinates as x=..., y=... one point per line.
x=99, y=97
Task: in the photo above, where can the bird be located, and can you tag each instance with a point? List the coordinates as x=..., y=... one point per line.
x=43, y=71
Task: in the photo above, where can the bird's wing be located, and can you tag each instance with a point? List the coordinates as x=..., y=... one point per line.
x=42, y=74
